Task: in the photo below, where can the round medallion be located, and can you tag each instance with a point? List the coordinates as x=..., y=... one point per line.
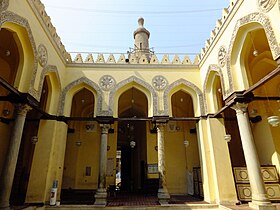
x=159, y=82
x=247, y=192
x=266, y=5
x=4, y=5
x=222, y=55
x=43, y=55
x=243, y=174
x=270, y=192
x=265, y=174
x=107, y=82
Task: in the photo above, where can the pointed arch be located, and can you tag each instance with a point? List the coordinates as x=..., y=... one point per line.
x=212, y=69
x=83, y=80
x=145, y=87
x=46, y=71
x=192, y=89
x=11, y=21
x=264, y=23
x=55, y=83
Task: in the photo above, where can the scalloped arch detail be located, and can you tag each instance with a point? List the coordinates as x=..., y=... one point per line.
x=74, y=84
x=139, y=82
x=189, y=84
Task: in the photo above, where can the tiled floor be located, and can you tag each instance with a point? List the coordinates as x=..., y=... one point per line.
x=137, y=199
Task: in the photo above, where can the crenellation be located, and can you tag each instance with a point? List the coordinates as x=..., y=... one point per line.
x=225, y=14
x=165, y=60
x=219, y=24
x=100, y=59
x=154, y=59
x=89, y=58
x=111, y=59
x=78, y=58
x=122, y=59
x=39, y=6
x=186, y=60
x=176, y=60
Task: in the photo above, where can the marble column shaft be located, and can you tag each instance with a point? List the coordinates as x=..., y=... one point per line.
x=259, y=195
x=101, y=194
x=162, y=191
x=8, y=171
x=103, y=156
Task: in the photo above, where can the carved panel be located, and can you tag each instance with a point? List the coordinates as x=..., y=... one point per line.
x=222, y=55
x=42, y=55
x=266, y=5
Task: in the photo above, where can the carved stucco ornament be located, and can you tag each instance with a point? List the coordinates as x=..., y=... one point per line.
x=159, y=82
x=222, y=56
x=266, y=5
x=4, y=5
x=42, y=55
x=107, y=82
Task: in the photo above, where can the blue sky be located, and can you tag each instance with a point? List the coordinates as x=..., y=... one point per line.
x=177, y=26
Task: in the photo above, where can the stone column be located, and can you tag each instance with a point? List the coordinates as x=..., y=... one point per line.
x=259, y=195
x=163, y=194
x=101, y=194
x=8, y=172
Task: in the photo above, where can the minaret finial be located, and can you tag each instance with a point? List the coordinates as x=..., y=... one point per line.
x=141, y=22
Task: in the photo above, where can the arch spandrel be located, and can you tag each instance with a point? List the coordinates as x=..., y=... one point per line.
x=141, y=85
x=20, y=26
x=187, y=86
x=71, y=89
x=251, y=22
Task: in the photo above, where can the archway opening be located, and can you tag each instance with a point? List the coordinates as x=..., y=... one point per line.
x=80, y=175
x=182, y=156
x=132, y=140
x=9, y=62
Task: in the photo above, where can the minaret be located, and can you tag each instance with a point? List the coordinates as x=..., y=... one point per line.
x=141, y=43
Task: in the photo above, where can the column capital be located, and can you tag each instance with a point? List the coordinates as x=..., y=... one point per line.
x=22, y=109
x=240, y=108
x=105, y=128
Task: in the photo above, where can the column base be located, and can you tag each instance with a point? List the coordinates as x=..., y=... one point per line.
x=101, y=198
x=4, y=205
x=260, y=206
x=163, y=197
